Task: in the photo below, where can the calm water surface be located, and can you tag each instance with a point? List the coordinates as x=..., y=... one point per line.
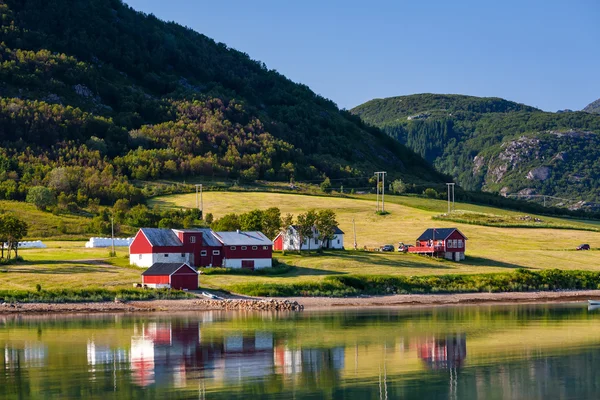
x=484, y=352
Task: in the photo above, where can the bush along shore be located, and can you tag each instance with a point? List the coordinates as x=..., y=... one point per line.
x=521, y=280
x=89, y=295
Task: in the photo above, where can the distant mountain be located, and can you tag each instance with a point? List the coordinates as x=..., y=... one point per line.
x=94, y=94
x=593, y=107
x=496, y=145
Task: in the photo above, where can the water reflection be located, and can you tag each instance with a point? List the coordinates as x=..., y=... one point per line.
x=448, y=352
x=518, y=352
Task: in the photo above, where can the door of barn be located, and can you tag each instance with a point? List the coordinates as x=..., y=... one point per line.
x=248, y=264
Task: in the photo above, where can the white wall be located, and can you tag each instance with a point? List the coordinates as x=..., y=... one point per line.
x=107, y=242
x=146, y=260
x=141, y=260
x=333, y=244
x=36, y=244
x=237, y=262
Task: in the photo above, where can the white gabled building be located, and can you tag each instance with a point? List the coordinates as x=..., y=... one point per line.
x=290, y=240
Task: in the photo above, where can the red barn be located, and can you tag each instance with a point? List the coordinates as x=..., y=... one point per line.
x=170, y=275
x=196, y=247
x=252, y=250
x=447, y=242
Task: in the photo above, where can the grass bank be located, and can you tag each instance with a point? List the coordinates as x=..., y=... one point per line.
x=521, y=280
x=88, y=295
x=511, y=221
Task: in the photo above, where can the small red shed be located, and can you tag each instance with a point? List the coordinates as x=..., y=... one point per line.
x=170, y=275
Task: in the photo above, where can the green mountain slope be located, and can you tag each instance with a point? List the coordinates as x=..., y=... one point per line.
x=496, y=145
x=94, y=94
x=593, y=107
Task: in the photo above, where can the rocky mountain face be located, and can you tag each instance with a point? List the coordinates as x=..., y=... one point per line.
x=593, y=107
x=499, y=146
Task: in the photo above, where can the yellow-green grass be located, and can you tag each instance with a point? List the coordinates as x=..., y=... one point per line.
x=489, y=249
x=69, y=265
x=43, y=224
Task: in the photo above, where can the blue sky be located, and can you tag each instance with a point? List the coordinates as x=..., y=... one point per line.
x=541, y=53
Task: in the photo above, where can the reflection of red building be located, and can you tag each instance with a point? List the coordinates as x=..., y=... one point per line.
x=449, y=352
x=161, y=352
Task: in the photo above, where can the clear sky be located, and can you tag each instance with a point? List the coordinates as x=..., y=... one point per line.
x=544, y=53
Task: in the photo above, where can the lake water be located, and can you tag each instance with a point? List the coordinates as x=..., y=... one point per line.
x=475, y=352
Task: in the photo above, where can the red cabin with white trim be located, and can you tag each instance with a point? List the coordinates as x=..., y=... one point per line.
x=449, y=243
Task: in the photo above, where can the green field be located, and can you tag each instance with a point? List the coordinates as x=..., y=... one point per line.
x=68, y=264
x=489, y=249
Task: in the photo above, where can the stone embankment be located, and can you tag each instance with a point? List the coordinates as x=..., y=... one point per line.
x=251, y=305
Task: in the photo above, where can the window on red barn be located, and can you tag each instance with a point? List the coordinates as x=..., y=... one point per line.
x=232, y=248
x=216, y=252
x=244, y=247
x=254, y=247
x=192, y=239
x=203, y=253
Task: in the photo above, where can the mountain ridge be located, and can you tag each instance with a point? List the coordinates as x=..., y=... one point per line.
x=495, y=145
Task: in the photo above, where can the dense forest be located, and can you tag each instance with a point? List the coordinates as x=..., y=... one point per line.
x=96, y=98
x=497, y=145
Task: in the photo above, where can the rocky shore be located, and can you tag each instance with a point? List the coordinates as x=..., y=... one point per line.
x=302, y=303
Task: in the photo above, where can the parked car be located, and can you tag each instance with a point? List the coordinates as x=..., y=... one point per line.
x=387, y=247
x=583, y=247
x=403, y=248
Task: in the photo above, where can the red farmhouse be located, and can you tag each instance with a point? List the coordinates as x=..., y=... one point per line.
x=449, y=243
x=201, y=248
x=170, y=275
x=197, y=247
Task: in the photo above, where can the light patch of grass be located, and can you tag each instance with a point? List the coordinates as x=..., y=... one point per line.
x=512, y=221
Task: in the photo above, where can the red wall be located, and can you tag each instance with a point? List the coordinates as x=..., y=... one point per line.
x=278, y=243
x=456, y=235
x=184, y=281
x=155, y=279
x=140, y=244
x=248, y=253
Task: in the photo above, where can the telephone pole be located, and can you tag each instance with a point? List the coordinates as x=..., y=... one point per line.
x=112, y=236
x=450, y=196
x=199, y=202
x=381, y=189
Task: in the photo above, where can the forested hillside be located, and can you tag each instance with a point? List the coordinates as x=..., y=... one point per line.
x=94, y=95
x=497, y=145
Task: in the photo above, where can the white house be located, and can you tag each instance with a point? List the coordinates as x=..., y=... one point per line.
x=290, y=240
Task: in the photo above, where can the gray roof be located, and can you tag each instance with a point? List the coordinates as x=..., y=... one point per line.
x=438, y=233
x=161, y=237
x=207, y=238
x=239, y=238
x=164, y=269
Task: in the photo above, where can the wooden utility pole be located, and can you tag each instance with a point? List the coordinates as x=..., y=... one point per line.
x=381, y=189
x=354, y=227
x=450, y=204
x=112, y=235
x=199, y=200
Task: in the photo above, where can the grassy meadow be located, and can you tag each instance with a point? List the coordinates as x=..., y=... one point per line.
x=489, y=249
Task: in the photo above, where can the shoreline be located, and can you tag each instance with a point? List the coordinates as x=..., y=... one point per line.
x=309, y=303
